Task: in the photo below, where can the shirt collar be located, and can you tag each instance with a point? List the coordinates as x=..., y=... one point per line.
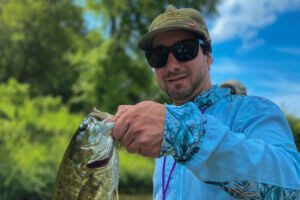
x=211, y=96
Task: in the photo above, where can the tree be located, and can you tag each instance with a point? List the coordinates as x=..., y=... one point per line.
x=34, y=133
x=128, y=19
x=109, y=77
x=36, y=37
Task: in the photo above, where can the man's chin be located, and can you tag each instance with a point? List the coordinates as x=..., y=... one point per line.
x=181, y=96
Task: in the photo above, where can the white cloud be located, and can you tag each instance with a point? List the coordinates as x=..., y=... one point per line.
x=281, y=86
x=251, y=45
x=288, y=103
x=226, y=66
x=242, y=19
x=284, y=93
x=289, y=50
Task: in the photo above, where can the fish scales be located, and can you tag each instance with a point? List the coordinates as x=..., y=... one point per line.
x=90, y=166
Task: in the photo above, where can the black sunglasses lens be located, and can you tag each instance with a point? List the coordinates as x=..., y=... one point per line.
x=157, y=57
x=186, y=50
x=183, y=51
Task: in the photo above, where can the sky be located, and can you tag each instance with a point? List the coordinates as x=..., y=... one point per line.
x=258, y=43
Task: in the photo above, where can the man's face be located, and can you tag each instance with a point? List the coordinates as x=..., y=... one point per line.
x=182, y=81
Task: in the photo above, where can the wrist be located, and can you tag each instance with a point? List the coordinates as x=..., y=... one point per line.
x=184, y=128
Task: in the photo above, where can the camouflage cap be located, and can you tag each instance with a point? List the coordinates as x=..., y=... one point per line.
x=175, y=19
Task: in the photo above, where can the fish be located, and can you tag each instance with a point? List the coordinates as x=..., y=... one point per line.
x=89, y=169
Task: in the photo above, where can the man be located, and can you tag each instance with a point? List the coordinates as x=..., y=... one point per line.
x=210, y=144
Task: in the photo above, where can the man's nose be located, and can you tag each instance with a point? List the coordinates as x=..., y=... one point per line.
x=172, y=63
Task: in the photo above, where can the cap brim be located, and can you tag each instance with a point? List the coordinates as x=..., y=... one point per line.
x=145, y=43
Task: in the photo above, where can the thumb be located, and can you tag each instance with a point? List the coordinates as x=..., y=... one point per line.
x=111, y=119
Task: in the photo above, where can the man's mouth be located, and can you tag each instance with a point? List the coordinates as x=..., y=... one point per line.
x=176, y=78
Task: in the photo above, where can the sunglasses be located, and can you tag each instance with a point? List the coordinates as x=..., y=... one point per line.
x=183, y=51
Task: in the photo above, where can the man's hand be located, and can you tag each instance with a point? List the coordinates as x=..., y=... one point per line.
x=140, y=128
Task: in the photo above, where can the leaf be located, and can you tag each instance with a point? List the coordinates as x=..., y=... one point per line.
x=3, y=115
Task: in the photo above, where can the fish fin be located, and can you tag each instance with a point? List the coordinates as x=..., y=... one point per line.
x=116, y=194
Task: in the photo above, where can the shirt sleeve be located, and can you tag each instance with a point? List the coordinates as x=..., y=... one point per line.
x=258, y=161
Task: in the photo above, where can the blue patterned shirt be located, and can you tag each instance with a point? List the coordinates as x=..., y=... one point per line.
x=241, y=147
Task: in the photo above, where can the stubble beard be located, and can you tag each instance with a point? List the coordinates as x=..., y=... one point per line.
x=181, y=95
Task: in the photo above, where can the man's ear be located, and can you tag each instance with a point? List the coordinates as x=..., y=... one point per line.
x=209, y=59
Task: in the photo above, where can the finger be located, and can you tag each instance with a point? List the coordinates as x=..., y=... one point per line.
x=127, y=138
x=149, y=152
x=111, y=119
x=120, y=127
x=123, y=108
x=121, y=112
x=149, y=146
x=133, y=147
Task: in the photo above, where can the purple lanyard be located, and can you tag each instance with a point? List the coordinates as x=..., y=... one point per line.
x=163, y=172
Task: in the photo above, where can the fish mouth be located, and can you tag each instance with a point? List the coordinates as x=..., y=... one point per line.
x=97, y=164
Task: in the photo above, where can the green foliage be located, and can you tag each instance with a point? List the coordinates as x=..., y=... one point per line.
x=36, y=37
x=128, y=19
x=135, y=173
x=163, y=98
x=44, y=43
x=295, y=126
x=109, y=77
x=34, y=136
x=35, y=133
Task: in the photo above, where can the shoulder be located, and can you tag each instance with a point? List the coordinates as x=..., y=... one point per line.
x=261, y=112
x=259, y=104
x=244, y=104
x=246, y=109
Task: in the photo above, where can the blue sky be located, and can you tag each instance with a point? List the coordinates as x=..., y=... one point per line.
x=258, y=43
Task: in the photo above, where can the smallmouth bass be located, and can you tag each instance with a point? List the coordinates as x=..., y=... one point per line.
x=90, y=166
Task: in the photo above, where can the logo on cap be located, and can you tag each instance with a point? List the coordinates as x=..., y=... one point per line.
x=192, y=25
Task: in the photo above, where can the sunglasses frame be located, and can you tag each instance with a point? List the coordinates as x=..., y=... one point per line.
x=174, y=49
